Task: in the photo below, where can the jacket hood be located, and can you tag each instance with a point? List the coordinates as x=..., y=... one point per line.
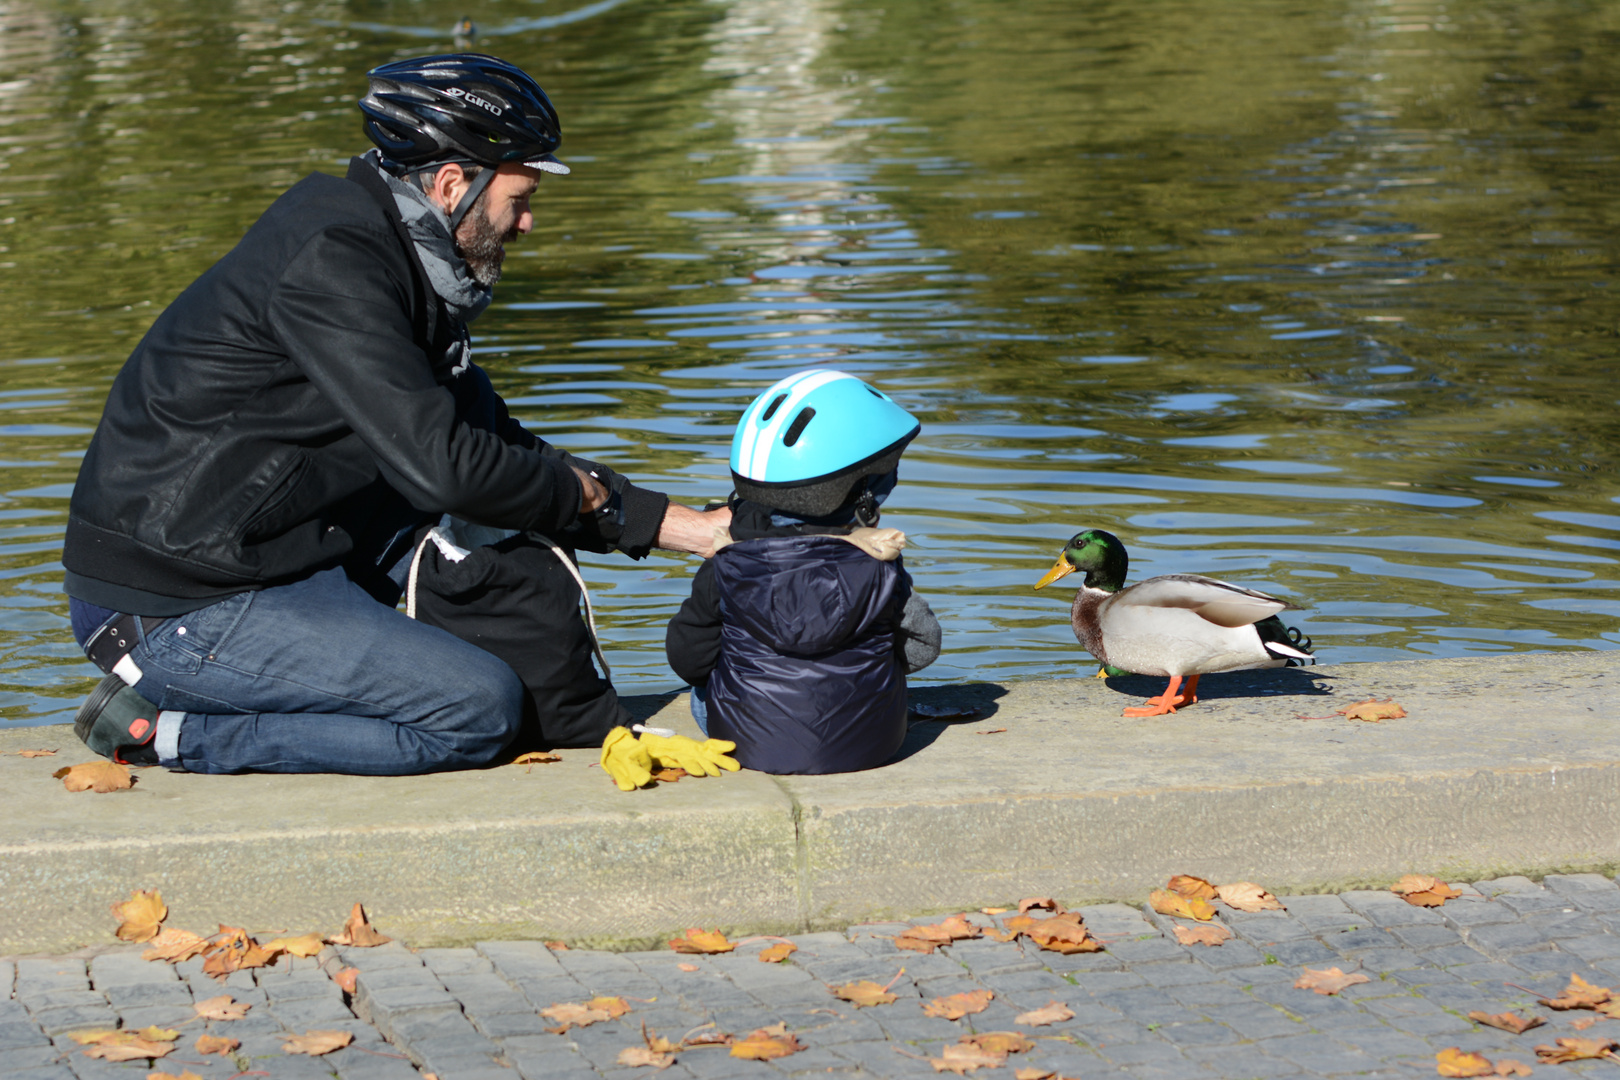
x=803, y=595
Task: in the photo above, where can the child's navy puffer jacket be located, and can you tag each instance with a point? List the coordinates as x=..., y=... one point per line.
x=807, y=679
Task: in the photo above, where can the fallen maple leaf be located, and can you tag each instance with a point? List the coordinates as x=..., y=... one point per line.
x=217, y=1044
x=184, y=1075
x=1209, y=934
x=775, y=954
x=1033, y=902
x=141, y=916
x=959, y=1005
x=994, y=910
x=1062, y=933
x=173, y=946
x=1372, y=710
x=961, y=1058
x=36, y=753
x=1423, y=890
x=641, y=1056
x=1169, y=903
x=535, y=757
x=990, y=731
x=702, y=941
x=346, y=979
x=150, y=1042
x=1611, y=1009
x=234, y=951
x=1583, y=1024
x=1193, y=888
x=358, y=932
x=615, y=1007
x=1506, y=1021
x=316, y=1043
x=767, y=1044
x=687, y=967
x=864, y=994
x=1054, y=1012
x=97, y=776
x=1029, y=1072
x=999, y=1042
x=591, y=1012
x=303, y=945
x=1329, y=981
x=223, y=1007
x=556, y=946
x=669, y=776
x=1576, y=1050
x=926, y=939
x=1247, y=896
x=1454, y=1061
x=1579, y=994
x=1510, y=1067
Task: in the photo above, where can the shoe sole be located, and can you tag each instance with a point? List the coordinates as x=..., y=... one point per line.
x=90, y=711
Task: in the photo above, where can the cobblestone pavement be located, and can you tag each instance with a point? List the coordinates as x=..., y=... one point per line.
x=1145, y=1008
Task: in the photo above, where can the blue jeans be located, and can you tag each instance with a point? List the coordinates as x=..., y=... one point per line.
x=317, y=676
x=700, y=706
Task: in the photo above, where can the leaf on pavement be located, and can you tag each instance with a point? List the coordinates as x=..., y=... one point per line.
x=346, y=979
x=615, y=1007
x=926, y=939
x=1063, y=933
x=141, y=916
x=1506, y=1021
x=687, y=967
x=1247, y=896
x=1182, y=907
x=217, y=1044
x=1372, y=710
x=186, y=1074
x=702, y=941
x=1030, y=1072
x=1579, y=994
x=959, y=1005
x=1454, y=1061
x=1193, y=888
x=97, y=776
x=174, y=945
x=961, y=1058
x=642, y=1056
x=232, y=951
x=1329, y=981
x=1208, y=934
x=358, y=932
x=303, y=945
x=1045, y=903
x=223, y=1007
x=316, y=1043
x=535, y=757
x=1576, y=1050
x=775, y=954
x=591, y=1012
x=767, y=1044
x=1611, y=1009
x=1423, y=890
x=1511, y=1067
x=1054, y=1012
x=151, y=1042
x=1584, y=1023
x=36, y=753
x=669, y=776
x=864, y=994
x=999, y=1042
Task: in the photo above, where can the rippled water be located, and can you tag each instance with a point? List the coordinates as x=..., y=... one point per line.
x=1312, y=297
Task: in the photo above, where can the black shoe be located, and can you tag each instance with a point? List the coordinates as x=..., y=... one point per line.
x=118, y=723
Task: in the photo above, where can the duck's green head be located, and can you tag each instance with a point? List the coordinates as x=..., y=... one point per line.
x=1099, y=554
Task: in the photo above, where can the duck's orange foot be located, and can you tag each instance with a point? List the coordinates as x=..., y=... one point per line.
x=1156, y=706
x=1168, y=701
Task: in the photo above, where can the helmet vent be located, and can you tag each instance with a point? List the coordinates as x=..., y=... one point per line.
x=796, y=428
x=875, y=394
x=770, y=410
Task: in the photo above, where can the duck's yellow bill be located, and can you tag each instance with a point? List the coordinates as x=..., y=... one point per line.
x=1062, y=569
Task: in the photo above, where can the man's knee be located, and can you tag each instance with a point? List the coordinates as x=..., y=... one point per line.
x=488, y=710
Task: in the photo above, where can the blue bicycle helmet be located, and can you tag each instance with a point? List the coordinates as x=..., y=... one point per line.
x=806, y=444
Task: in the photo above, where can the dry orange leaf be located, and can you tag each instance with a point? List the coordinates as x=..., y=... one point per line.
x=643, y=1056
x=1579, y=994
x=1329, y=981
x=184, y=1075
x=174, y=946
x=687, y=967
x=775, y=954
x=1029, y=1072
x=1169, y=903
x=1062, y=933
x=1454, y=1061
x=1193, y=888
x=991, y=731
x=556, y=946
x=316, y=1043
x=1423, y=890
x=1583, y=1024
x=217, y=1044
x=999, y=1042
x=1372, y=710
x=97, y=776
x=141, y=916
x=591, y=1012
x=235, y=951
x=1247, y=896
x=961, y=1058
x=669, y=776
x=535, y=757
x=1054, y=1012
x=303, y=945
x=1209, y=934
x=1611, y=1009
x=959, y=1005
x=223, y=1007
x=346, y=979
x=36, y=753
x=1576, y=1050
x=615, y=1007
x=926, y=939
x=150, y=1042
x=358, y=932
x=864, y=994
x=994, y=910
x=702, y=941
x=1506, y=1021
x=1510, y=1067
x=767, y=1044
x=1046, y=903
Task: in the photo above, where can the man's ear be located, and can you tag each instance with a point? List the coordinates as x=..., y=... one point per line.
x=449, y=184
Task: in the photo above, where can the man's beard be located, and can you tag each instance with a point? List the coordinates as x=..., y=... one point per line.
x=482, y=246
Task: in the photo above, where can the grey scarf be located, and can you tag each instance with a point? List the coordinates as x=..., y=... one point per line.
x=429, y=228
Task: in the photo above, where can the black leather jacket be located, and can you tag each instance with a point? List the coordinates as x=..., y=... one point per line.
x=291, y=408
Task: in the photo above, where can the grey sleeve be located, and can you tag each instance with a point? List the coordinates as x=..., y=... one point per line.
x=918, y=634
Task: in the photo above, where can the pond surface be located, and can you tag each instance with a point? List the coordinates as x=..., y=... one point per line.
x=1314, y=297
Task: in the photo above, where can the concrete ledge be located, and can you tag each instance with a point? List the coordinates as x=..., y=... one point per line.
x=1503, y=765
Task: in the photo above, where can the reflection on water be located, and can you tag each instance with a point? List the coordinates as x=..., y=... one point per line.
x=1313, y=298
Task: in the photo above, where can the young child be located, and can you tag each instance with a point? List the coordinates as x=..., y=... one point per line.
x=800, y=632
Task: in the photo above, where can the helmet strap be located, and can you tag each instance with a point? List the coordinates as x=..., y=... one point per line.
x=475, y=188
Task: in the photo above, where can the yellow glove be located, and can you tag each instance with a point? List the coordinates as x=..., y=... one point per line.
x=626, y=760
x=698, y=758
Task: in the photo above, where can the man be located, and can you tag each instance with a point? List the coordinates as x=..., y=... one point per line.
x=272, y=446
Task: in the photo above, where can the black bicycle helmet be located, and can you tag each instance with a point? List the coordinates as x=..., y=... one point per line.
x=460, y=107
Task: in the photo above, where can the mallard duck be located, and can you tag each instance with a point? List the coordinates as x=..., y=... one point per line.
x=1176, y=625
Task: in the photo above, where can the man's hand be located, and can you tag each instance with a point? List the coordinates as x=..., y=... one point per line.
x=691, y=531
x=592, y=492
